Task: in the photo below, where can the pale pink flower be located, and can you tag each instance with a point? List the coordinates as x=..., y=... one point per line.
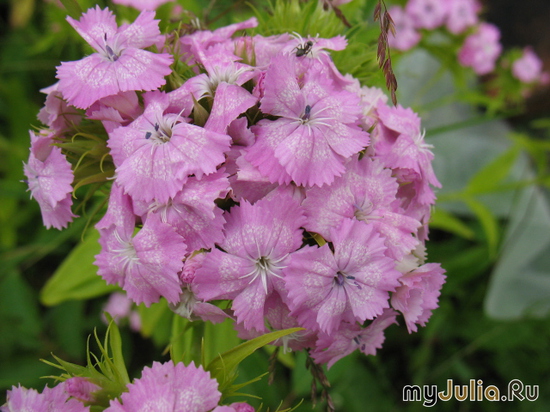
x=316, y=131
x=462, y=14
x=192, y=211
x=146, y=265
x=116, y=110
x=400, y=146
x=165, y=387
x=252, y=258
x=235, y=407
x=119, y=65
x=406, y=35
x=351, y=284
x=481, y=50
x=56, y=113
x=418, y=294
x=49, y=176
x=81, y=389
x=367, y=193
x=20, y=399
x=142, y=5
x=331, y=348
x=528, y=68
x=157, y=152
x=427, y=14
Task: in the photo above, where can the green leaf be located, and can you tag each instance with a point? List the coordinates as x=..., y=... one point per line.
x=489, y=177
x=488, y=222
x=156, y=322
x=77, y=276
x=444, y=220
x=223, y=368
x=73, y=8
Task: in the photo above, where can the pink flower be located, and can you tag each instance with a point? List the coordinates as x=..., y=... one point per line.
x=116, y=110
x=316, y=131
x=192, y=211
x=481, y=49
x=49, y=176
x=21, y=399
x=142, y=5
x=427, y=14
x=81, y=389
x=146, y=265
x=165, y=387
x=462, y=14
x=528, y=68
x=157, y=152
x=406, y=35
x=400, y=146
x=56, y=113
x=351, y=284
x=418, y=294
x=367, y=193
x=250, y=265
x=119, y=65
x=235, y=407
x=350, y=337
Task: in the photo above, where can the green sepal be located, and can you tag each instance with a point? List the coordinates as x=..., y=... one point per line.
x=224, y=367
x=77, y=276
x=108, y=372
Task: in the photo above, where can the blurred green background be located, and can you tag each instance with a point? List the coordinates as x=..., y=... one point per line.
x=491, y=233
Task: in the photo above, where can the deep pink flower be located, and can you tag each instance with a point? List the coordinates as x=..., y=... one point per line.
x=146, y=265
x=351, y=284
x=165, y=387
x=119, y=65
x=331, y=348
x=418, y=294
x=528, y=68
x=316, y=131
x=480, y=50
x=258, y=241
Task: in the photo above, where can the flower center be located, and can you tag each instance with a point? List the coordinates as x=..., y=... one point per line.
x=264, y=267
x=341, y=279
x=112, y=51
x=126, y=252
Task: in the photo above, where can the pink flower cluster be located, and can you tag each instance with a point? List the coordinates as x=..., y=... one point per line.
x=456, y=15
x=162, y=388
x=480, y=41
x=302, y=198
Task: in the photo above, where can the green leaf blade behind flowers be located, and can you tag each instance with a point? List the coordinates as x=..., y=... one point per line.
x=489, y=223
x=223, y=367
x=490, y=177
x=444, y=220
x=77, y=276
